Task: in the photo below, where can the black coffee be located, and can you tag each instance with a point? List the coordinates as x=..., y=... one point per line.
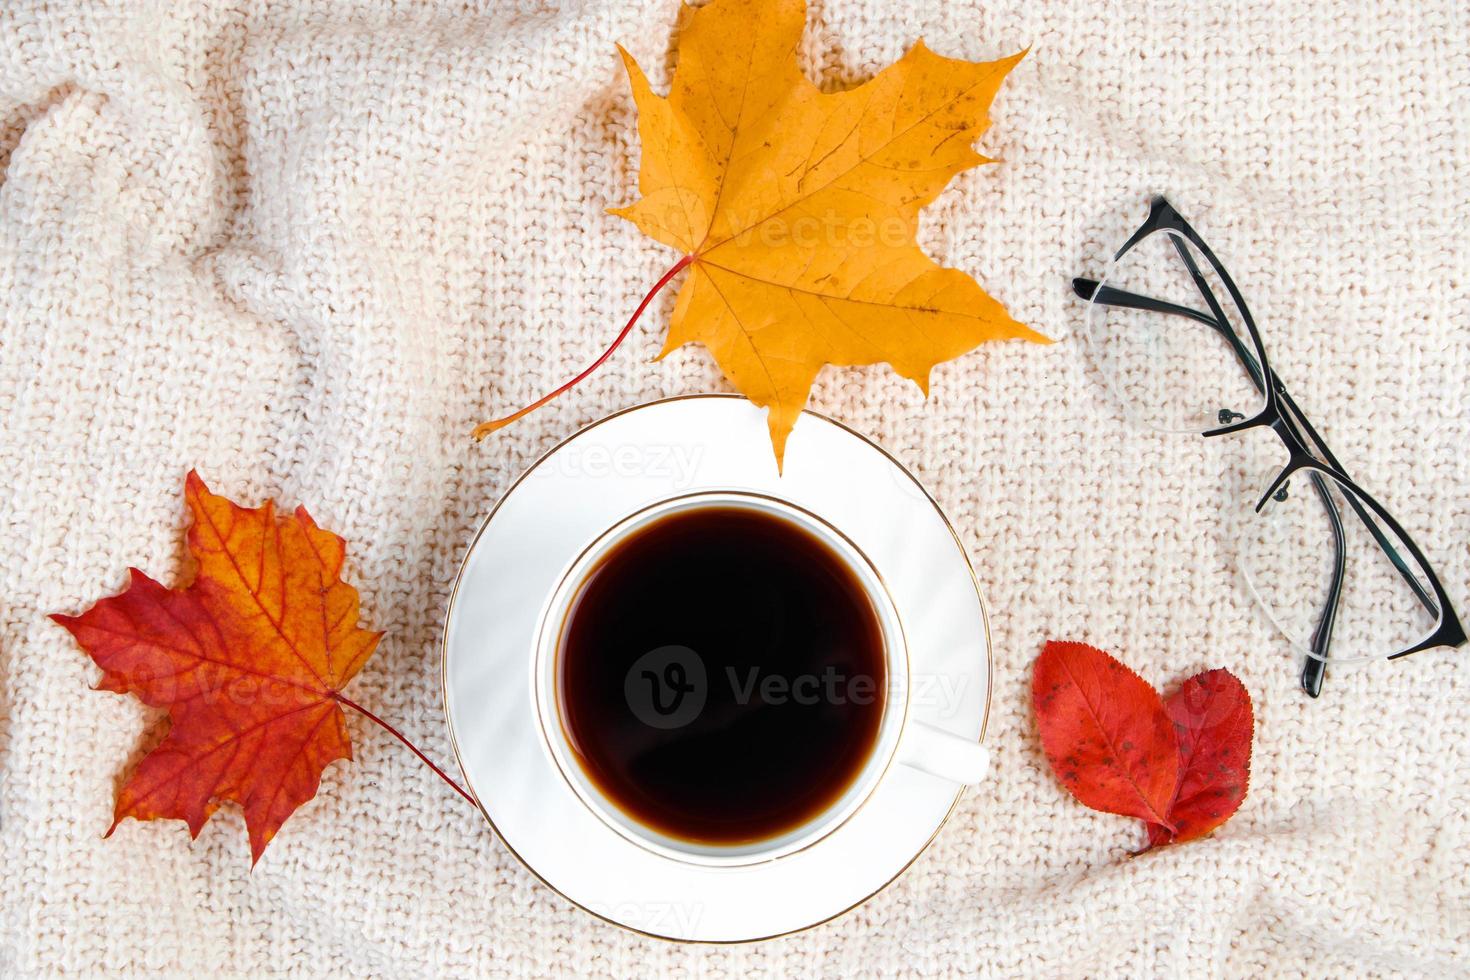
x=722, y=675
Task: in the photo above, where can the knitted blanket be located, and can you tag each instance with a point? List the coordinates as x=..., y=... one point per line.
x=305, y=245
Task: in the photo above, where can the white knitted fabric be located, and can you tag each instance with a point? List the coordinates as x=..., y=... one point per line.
x=305, y=246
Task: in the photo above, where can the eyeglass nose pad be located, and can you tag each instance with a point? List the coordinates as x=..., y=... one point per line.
x=1295, y=464
x=1232, y=426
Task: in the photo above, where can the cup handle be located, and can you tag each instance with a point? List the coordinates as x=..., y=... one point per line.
x=943, y=754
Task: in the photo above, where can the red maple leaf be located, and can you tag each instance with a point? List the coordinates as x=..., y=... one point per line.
x=248, y=660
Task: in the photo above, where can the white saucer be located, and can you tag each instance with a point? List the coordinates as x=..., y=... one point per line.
x=589, y=482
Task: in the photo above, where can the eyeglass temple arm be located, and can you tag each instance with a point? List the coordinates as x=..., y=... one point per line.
x=1089, y=289
x=1315, y=668
x=1426, y=599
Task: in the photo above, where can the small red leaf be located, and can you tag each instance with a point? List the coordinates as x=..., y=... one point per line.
x=1105, y=732
x=1214, y=722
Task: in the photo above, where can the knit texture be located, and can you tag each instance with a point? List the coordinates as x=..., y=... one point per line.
x=306, y=246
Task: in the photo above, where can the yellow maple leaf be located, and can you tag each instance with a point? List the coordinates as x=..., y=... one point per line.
x=798, y=209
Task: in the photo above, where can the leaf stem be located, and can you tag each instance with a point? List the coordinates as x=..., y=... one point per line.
x=343, y=699
x=485, y=428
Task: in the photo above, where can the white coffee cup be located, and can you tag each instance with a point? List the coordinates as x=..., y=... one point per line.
x=900, y=739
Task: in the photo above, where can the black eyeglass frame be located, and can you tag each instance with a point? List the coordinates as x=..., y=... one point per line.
x=1283, y=416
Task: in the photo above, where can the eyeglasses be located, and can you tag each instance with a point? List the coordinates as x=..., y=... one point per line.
x=1336, y=573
